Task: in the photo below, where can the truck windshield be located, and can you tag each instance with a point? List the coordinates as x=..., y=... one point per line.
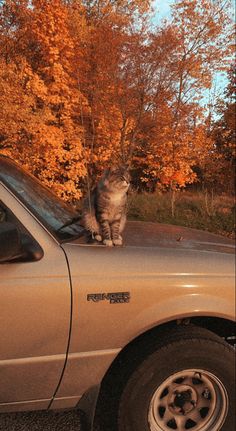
x=57, y=216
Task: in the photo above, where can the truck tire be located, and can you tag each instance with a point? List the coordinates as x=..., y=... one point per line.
x=186, y=383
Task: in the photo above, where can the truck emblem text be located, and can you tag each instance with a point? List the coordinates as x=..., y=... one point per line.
x=113, y=298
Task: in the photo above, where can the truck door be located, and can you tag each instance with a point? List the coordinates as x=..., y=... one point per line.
x=35, y=312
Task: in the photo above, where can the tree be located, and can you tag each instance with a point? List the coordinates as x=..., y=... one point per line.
x=50, y=144
x=112, y=52
x=88, y=83
x=183, y=56
x=224, y=135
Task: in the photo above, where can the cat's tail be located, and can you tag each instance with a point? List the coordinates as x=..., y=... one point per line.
x=122, y=223
x=90, y=223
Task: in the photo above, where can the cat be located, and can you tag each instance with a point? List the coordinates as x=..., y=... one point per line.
x=104, y=211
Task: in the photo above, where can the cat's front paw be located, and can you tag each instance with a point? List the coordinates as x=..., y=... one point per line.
x=118, y=241
x=108, y=242
x=98, y=238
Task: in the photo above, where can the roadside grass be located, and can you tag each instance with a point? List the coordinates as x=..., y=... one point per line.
x=192, y=209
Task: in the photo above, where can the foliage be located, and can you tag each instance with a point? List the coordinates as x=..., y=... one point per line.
x=84, y=84
x=40, y=58
x=191, y=210
x=224, y=134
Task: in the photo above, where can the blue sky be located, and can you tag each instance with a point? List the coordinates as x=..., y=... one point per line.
x=161, y=9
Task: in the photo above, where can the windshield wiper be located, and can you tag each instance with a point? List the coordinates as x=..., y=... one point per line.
x=74, y=220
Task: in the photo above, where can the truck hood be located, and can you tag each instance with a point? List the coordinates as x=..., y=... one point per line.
x=162, y=235
x=147, y=234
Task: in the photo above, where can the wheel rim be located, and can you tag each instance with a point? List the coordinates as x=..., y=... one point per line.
x=189, y=400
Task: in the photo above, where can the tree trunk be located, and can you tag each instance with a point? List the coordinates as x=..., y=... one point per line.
x=173, y=199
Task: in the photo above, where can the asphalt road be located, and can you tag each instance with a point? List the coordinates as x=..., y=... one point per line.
x=41, y=421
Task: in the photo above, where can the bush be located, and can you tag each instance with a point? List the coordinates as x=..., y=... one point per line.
x=191, y=210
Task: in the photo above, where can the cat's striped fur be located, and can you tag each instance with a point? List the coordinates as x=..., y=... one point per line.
x=104, y=212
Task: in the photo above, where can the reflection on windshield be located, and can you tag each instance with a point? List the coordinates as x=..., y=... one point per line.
x=47, y=207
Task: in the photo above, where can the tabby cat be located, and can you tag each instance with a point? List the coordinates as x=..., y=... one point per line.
x=104, y=213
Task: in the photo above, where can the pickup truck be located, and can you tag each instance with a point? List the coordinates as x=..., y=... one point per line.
x=138, y=337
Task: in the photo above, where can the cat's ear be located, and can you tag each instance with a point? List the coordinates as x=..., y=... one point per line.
x=122, y=160
x=112, y=169
x=127, y=165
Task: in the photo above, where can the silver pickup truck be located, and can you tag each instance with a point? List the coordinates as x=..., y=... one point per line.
x=139, y=337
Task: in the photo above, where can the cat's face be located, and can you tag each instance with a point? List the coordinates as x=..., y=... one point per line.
x=117, y=178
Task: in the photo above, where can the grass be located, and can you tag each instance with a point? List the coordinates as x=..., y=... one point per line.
x=192, y=209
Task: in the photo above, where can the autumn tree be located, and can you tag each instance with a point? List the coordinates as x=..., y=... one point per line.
x=110, y=78
x=184, y=55
x=223, y=134
x=51, y=143
x=15, y=102
x=88, y=83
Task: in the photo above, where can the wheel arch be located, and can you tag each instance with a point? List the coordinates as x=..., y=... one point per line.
x=136, y=350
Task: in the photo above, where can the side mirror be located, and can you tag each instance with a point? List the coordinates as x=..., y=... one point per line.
x=10, y=243
x=16, y=246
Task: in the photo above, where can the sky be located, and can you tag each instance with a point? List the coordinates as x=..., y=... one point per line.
x=161, y=9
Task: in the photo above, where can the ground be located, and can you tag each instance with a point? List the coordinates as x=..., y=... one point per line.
x=41, y=421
